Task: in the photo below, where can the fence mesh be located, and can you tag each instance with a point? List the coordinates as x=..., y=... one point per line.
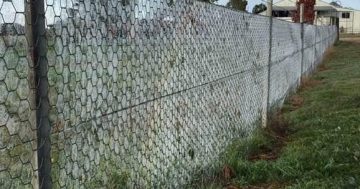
x=18, y=130
x=142, y=93
x=285, y=65
x=150, y=91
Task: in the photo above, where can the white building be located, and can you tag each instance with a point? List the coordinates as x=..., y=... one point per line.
x=325, y=14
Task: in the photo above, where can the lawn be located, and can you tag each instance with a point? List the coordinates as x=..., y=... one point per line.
x=314, y=142
x=349, y=35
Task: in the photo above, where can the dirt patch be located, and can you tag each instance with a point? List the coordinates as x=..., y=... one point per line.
x=231, y=187
x=328, y=55
x=278, y=131
x=296, y=102
x=268, y=154
x=228, y=173
x=274, y=185
x=266, y=186
x=308, y=83
x=351, y=39
x=322, y=68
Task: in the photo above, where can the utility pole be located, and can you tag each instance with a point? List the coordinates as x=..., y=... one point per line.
x=269, y=8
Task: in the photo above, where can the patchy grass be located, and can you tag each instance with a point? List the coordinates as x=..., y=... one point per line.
x=314, y=143
x=350, y=38
x=349, y=35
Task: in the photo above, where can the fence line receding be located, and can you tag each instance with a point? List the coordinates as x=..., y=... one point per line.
x=140, y=93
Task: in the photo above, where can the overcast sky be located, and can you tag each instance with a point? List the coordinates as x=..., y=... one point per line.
x=346, y=3
x=8, y=9
x=13, y=11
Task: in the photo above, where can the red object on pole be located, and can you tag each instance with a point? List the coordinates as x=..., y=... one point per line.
x=309, y=11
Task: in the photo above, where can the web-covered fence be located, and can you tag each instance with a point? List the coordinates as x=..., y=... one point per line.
x=138, y=94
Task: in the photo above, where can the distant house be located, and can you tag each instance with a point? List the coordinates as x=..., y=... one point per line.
x=325, y=14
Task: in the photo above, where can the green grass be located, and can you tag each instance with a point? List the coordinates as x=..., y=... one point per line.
x=322, y=149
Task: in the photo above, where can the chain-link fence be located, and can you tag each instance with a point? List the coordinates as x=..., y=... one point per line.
x=138, y=93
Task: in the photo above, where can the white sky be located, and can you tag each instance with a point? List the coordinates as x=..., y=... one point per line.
x=251, y=3
x=13, y=11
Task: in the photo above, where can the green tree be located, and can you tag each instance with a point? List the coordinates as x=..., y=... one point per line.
x=259, y=8
x=335, y=3
x=209, y=1
x=237, y=4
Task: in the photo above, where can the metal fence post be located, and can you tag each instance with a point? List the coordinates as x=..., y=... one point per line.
x=266, y=109
x=337, y=29
x=315, y=56
x=302, y=39
x=41, y=82
x=302, y=51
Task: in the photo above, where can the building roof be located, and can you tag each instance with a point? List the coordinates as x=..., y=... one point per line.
x=290, y=5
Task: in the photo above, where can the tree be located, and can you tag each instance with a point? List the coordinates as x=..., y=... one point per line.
x=336, y=4
x=309, y=11
x=209, y=1
x=259, y=8
x=237, y=4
